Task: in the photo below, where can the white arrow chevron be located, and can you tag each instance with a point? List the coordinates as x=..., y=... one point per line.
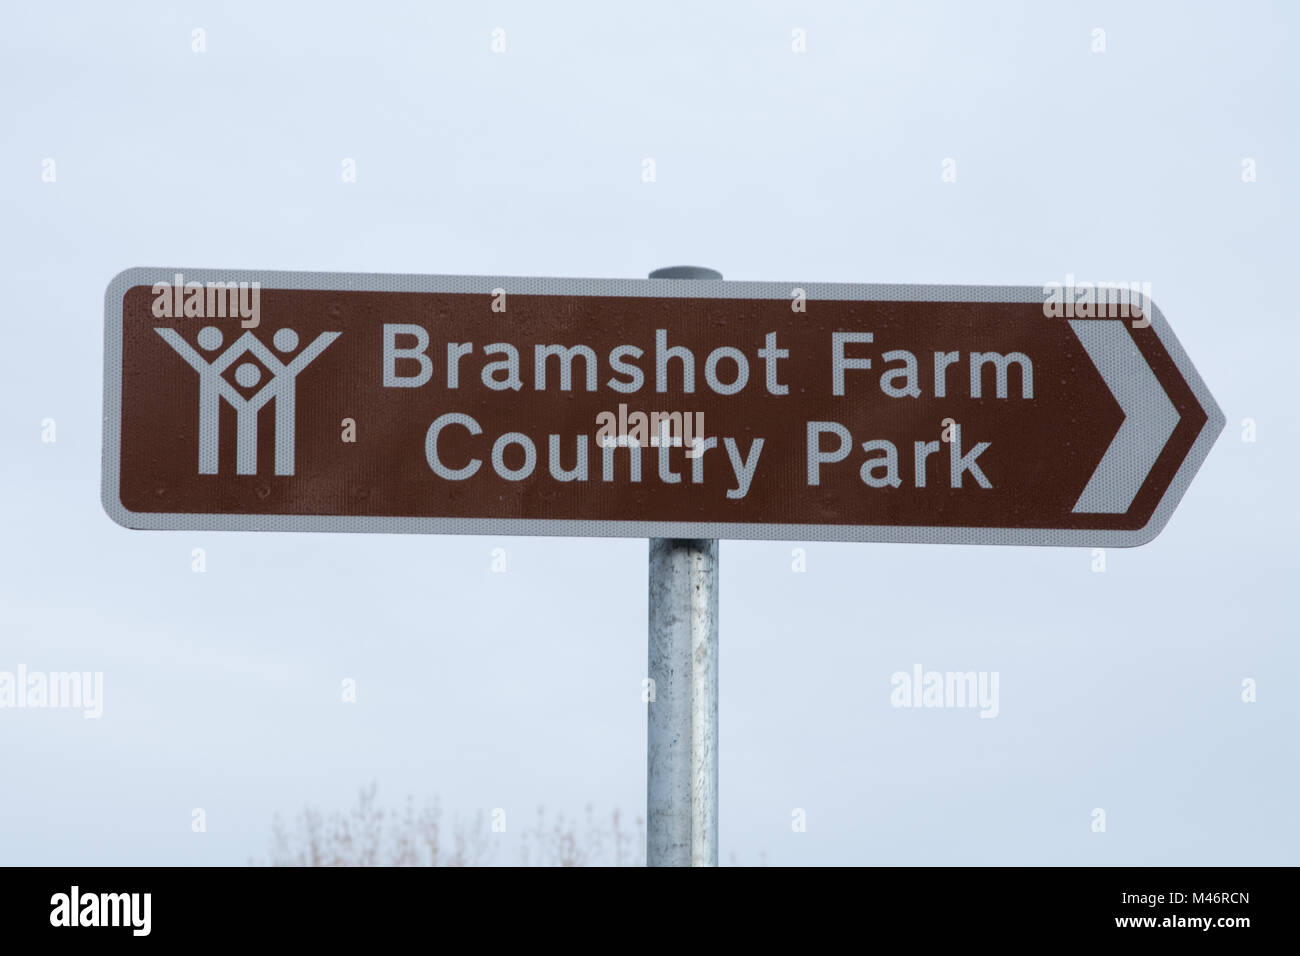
x=1149, y=417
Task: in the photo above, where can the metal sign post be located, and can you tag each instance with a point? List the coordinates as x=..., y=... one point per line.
x=682, y=726
x=250, y=400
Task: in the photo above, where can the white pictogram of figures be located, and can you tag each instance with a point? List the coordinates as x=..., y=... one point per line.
x=213, y=387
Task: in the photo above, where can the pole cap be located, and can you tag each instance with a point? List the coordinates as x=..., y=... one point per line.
x=686, y=272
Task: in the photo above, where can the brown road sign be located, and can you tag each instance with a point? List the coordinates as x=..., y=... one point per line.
x=289, y=401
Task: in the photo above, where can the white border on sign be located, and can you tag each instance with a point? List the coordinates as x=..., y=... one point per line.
x=637, y=288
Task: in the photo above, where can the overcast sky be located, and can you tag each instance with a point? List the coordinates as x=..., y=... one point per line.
x=1119, y=690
